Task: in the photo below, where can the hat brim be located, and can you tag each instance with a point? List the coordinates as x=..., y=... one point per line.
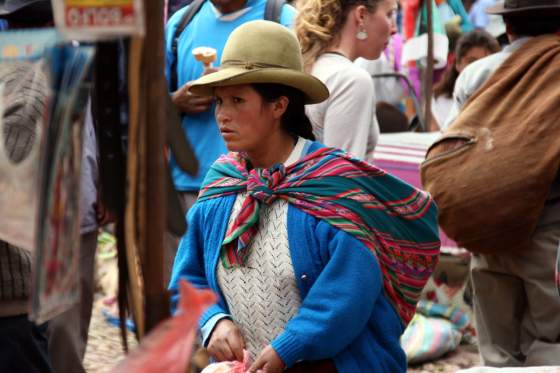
x=313, y=89
x=499, y=9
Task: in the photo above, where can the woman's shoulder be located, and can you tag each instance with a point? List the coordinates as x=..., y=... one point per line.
x=334, y=68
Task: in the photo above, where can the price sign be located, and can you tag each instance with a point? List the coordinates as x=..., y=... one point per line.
x=94, y=19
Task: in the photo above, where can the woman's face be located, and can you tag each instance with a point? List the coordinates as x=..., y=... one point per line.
x=379, y=25
x=473, y=54
x=244, y=118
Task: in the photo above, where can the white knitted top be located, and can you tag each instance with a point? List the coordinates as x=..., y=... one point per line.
x=263, y=296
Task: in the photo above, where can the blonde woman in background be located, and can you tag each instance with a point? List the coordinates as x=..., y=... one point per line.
x=332, y=34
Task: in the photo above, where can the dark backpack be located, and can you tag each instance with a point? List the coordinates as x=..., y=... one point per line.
x=271, y=13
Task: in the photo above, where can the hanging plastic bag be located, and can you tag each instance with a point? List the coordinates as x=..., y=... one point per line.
x=230, y=366
x=168, y=348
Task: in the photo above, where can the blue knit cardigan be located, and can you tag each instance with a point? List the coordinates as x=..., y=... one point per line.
x=344, y=314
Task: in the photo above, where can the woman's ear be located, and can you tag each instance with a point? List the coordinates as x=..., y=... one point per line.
x=359, y=14
x=280, y=106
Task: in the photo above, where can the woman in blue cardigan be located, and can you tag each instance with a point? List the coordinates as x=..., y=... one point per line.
x=317, y=258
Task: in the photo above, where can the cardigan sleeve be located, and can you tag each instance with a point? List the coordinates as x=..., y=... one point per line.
x=189, y=265
x=339, y=303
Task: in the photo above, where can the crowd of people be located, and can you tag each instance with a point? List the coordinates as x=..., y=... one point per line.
x=318, y=257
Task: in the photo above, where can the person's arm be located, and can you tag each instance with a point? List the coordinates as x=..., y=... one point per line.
x=189, y=265
x=170, y=29
x=349, y=115
x=338, y=305
x=460, y=97
x=288, y=15
x=183, y=100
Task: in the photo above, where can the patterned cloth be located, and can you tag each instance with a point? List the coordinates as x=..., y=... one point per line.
x=397, y=222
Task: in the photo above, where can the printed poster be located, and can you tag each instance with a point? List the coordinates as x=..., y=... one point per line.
x=55, y=285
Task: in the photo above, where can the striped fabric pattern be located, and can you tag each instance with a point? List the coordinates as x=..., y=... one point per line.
x=394, y=220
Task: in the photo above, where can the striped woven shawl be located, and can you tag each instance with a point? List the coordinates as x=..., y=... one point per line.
x=394, y=220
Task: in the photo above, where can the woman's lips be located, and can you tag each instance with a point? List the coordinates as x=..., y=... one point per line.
x=227, y=133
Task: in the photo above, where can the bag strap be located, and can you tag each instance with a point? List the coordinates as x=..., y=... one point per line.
x=272, y=12
x=194, y=7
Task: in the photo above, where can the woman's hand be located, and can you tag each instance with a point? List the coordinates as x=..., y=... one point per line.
x=268, y=362
x=226, y=342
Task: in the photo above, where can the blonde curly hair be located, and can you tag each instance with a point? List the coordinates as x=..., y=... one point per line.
x=319, y=22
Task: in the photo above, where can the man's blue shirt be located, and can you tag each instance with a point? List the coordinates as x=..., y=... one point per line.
x=207, y=29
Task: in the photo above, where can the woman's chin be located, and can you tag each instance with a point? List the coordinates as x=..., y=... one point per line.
x=233, y=146
x=373, y=55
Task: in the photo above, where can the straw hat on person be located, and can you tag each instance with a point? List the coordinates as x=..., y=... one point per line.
x=262, y=52
x=525, y=7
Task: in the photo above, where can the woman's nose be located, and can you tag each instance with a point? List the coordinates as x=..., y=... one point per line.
x=221, y=114
x=394, y=25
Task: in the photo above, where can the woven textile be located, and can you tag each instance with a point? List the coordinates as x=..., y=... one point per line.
x=394, y=220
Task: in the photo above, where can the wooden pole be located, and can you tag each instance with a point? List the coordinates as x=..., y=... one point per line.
x=134, y=242
x=153, y=216
x=429, y=71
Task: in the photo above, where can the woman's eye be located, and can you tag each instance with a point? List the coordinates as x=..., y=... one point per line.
x=238, y=100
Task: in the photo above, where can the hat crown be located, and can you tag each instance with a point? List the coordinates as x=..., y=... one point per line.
x=525, y=8
x=260, y=44
x=521, y=4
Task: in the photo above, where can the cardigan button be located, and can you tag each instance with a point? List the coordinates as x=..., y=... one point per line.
x=304, y=277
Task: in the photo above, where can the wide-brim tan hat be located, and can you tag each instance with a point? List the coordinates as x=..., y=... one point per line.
x=525, y=7
x=262, y=52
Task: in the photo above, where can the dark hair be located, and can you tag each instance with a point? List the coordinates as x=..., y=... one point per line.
x=533, y=26
x=294, y=120
x=475, y=38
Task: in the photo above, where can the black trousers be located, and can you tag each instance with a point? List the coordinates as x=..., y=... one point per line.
x=23, y=346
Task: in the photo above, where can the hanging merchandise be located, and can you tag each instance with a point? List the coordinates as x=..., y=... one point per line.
x=415, y=48
x=56, y=270
x=410, y=14
x=456, y=8
x=24, y=95
x=98, y=19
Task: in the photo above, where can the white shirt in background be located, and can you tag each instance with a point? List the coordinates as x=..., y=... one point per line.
x=346, y=120
x=441, y=107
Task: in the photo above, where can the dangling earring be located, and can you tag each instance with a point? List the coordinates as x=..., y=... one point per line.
x=362, y=34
